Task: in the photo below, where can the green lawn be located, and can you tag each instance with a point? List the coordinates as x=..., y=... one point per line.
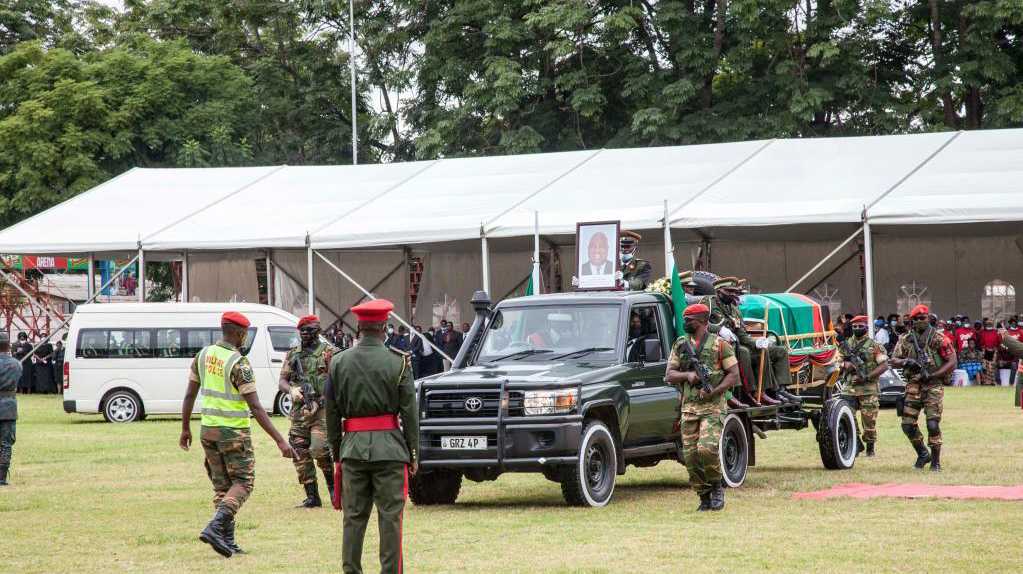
x=94, y=497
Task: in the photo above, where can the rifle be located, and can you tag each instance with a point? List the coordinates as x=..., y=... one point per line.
x=856, y=359
x=921, y=365
x=311, y=400
x=701, y=370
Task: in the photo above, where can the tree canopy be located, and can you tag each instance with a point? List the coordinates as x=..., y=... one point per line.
x=87, y=92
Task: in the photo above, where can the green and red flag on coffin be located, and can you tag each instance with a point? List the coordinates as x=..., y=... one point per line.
x=797, y=320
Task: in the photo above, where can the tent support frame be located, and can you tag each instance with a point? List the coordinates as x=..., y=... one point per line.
x=868, y=271
x=825, y=259
x=184, y=278
x=397, y=317
x=141, y=287
x=485, y=258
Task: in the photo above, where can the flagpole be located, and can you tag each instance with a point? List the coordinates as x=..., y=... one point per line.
x=537, y=289
x=669, y=249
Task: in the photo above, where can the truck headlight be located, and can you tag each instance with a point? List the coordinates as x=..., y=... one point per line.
x=550, y=402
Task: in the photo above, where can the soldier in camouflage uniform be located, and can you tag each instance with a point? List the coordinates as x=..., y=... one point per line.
x=924, y=392
x=1011, y=346
x=10, y=374
x=725, y=319
x=863, y=392
x=635, y=272
x=702, y=406
x=308, y=364
x=228, y=386
x=373, y=428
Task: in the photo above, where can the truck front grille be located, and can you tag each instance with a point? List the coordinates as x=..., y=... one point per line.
x=470, y=403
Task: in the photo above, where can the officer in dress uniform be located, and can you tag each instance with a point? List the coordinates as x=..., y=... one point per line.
x=373, y=431
x=225, y=378
x=308, y=364
x=635, y=272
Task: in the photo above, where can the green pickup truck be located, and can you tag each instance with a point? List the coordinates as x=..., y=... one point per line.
x=570, y=385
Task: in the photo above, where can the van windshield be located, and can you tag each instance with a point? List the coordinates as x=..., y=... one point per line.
x=551, y=332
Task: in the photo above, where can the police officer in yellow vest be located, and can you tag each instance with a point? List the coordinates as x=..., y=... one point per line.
x=224, y=377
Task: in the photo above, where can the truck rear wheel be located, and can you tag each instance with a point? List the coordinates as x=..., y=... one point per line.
x=591, y=481
x=435, y=487
x=836, y=435
x=734, y=451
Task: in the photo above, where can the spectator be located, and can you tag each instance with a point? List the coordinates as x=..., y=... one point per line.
x=42, y=364
x=989, y=343
x=450, y=341
x=431, y=362
x=963, y=335
x=416, y=347
x=465, y=329
x=402, y=342
x=58, y=365
x=881, y=334
x=392, y=337
x=21, y=350
x=970, y=361
x=948, y=331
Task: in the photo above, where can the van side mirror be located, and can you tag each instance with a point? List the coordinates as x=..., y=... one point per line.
x=652, y=350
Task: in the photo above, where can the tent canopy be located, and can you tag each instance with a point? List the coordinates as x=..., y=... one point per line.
x=941, y=178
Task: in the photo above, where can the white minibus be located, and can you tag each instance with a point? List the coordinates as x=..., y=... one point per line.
x=130, y=360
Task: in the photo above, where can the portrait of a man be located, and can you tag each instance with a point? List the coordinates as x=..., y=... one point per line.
x=596, y=257
x=597, y=249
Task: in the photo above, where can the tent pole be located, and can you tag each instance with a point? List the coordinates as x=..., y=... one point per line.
x=184, y=277
x=669, y=249
x=823, y=261
x=92, y=276
x=868, y=271
x=269, y=279
x=309, y=274
x=537, y=289
x=141, y=287
x=396, y=316
x=485, y=259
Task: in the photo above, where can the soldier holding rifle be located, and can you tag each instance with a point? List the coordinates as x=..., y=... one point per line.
x=863, y=360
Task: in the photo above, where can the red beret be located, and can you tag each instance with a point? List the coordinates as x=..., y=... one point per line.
x=235, y=318
x=696, y=309
x=375, y=311
x=308, y=319
x=919, y=310
x=860, y=319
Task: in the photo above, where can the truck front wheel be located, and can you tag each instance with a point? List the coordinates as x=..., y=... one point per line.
x=591, y=481
x=439, y=486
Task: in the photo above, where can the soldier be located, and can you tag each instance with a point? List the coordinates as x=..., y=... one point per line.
x=10, y=374
x=228, y=389
x=1011, y=346
x=635, y=272
x=369, y=391
x=303, y=376
x=929, y=360
x=862, y=356
x=726, y=321
x=704, y=367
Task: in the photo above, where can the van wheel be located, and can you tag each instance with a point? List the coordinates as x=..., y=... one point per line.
x=283, y=404
x=122, y=406
x=591, y=481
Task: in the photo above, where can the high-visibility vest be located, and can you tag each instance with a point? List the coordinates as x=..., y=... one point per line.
x=222, y=404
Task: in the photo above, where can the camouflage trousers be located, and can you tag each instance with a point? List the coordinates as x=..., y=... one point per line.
x=990, y=373
x=776, y=372
x=929, y=398
x=868, y=405
x=309, y=439
x=7, y=429
x=230, y=464
x=701, y=437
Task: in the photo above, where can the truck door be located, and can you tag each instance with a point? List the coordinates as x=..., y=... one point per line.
x=653, y=403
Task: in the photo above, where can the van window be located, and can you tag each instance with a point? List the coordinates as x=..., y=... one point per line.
x=284, y=339
x=170, y=343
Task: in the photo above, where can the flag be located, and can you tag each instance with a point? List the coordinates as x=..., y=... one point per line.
x=529, y=286
x=678, y=299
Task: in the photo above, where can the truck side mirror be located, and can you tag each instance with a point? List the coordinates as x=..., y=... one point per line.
x=652, y=350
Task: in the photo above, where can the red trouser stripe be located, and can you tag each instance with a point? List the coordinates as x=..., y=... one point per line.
x=374, y=423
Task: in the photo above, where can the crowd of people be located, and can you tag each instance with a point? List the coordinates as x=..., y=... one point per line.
x=979, y=351
x=42, y=372
x=420, y=346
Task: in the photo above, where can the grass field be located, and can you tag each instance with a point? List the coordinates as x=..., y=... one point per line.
x=90, y=497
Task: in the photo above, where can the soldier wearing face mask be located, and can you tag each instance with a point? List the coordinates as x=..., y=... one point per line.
x=635, y=272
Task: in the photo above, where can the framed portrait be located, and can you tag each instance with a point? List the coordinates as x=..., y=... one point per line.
x=596, y=254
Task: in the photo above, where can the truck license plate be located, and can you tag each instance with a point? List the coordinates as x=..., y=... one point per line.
x=463, y=442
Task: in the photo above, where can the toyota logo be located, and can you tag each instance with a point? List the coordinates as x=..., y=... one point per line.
x=473, y=404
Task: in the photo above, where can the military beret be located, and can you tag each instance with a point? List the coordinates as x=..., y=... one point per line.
x=726, y=283
x=235, y=318
x=375, y=311
x=861, y=319
x=696, y=309
x=919, y=310
x=308, y=319
x=629, y=237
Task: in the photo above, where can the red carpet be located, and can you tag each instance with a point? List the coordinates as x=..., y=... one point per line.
x=855, y=490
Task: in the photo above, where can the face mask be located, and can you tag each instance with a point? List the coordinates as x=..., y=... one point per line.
x=690, y=327
x=859, y=332
x=921, y=325
x=626, y=257
x=390, y=331
x=1012, y=325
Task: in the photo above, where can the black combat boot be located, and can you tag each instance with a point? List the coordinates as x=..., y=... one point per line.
x=717, y=498
x=213, y=534
x=704, y=502
x=229, y=536
x=922, y=456
x=860, y=447
x=936, y=458
x=3, y=474
x=870, y=449
x=312, y=497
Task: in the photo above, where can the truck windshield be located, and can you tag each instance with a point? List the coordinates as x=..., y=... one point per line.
x=560, y=331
